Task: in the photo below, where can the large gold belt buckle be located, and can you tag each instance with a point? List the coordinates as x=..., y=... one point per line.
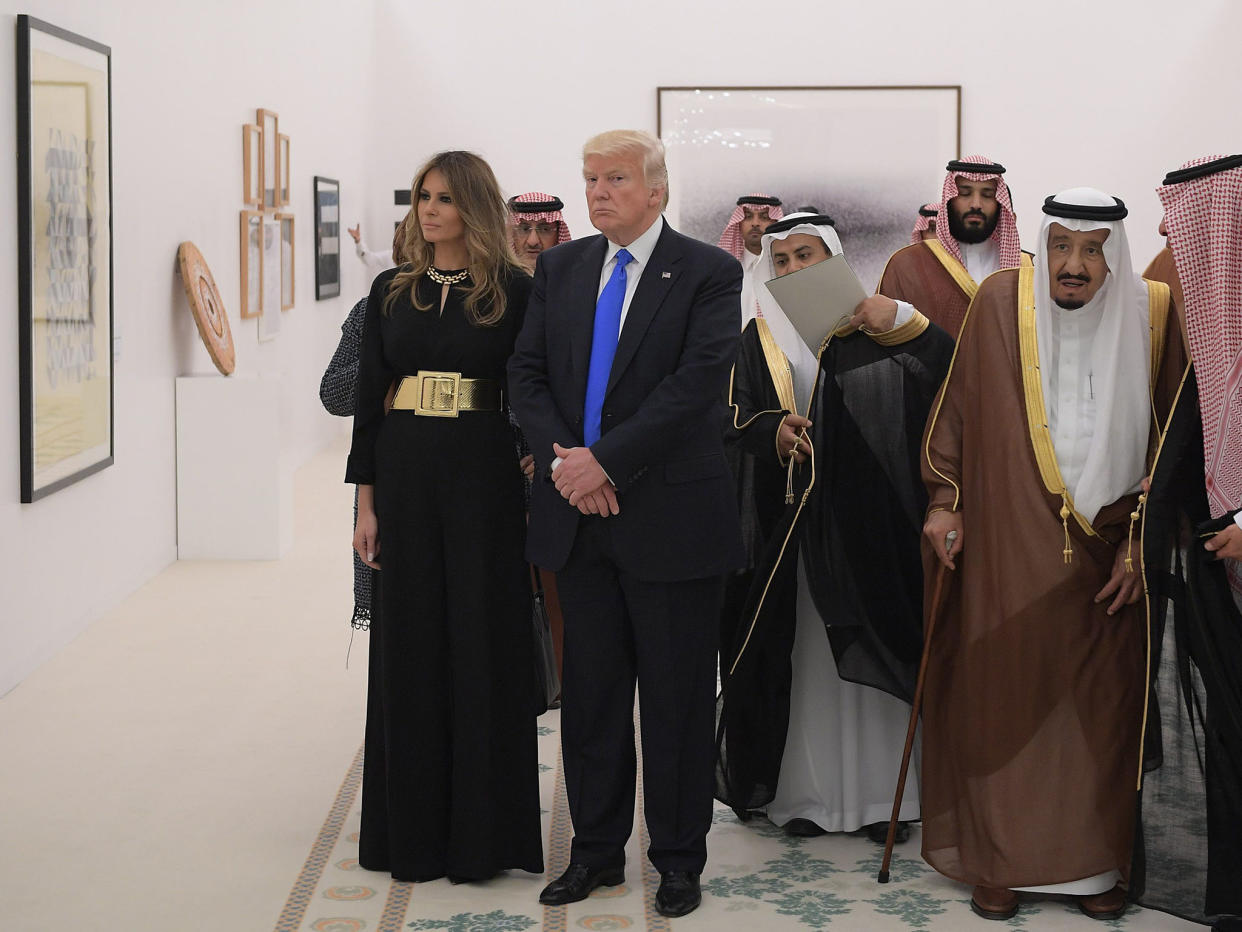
x=438, y=393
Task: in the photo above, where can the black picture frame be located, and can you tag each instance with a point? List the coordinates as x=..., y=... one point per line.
x=65, y=263
x=327, y=199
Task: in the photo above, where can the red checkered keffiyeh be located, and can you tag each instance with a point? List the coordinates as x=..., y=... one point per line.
x=544, y=208
x=1204, y=218
x=731, y=238
x=927, y=213
x=1006, y=233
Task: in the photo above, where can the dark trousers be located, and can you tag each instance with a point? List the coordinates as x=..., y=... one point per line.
x=619, y=629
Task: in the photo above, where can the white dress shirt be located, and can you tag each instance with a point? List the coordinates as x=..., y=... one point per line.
x=641, y=249
x=376, y=261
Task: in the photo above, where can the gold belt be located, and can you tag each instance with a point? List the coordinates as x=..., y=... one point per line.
x=444, y=394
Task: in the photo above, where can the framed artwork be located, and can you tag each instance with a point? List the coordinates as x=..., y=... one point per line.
x=286, y=260
x=327, y=238
x=252, y=156
x=270, y=171
x=282, y=168
x=251, y=238
x=810, y=146
x=64, y=218
x=269, y=319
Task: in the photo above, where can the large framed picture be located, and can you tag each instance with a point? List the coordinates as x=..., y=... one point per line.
x=64, y=218
x=327, y=238
x=869, y=157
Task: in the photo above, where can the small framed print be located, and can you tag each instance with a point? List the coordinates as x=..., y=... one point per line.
x=269, y=320
x=251, y=263
x=252, y=156
x=270, y=162
x=286, y=260
x=282, y=169
x=327, y=238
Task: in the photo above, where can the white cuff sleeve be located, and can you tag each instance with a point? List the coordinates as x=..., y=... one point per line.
x=905, y=310
x=1237, y=519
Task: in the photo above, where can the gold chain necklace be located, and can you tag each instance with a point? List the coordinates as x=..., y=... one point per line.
x=443, y=278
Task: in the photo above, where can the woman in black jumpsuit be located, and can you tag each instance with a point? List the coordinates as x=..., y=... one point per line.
x=450, y=779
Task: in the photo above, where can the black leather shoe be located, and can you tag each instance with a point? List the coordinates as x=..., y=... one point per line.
x=803, y=828
x=679, y=893
x=577, y=883
x=878, y=832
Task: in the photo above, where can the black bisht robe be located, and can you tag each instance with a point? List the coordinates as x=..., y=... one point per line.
x=855, y=519
x=1188, y=850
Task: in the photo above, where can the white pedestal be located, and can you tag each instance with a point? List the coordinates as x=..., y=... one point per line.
x=234, y=500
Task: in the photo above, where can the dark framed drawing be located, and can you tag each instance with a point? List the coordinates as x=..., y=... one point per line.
x=64, y=216
x=327, y=238
x=827, y=147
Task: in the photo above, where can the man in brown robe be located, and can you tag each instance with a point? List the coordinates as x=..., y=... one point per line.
x=1033, y=459
x=976, y=235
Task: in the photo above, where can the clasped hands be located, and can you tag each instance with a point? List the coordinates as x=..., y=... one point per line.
x=582, y=482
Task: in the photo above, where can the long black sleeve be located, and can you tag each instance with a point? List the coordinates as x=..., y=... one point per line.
x=374, y=377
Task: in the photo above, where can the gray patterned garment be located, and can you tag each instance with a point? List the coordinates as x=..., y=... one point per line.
x=337, y=391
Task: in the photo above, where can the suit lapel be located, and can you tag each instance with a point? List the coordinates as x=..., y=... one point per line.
x=654, y=285
x=583, y=288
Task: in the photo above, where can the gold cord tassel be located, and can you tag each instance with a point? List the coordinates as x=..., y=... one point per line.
x=1065, y=513
x=1134, y=516
x=789, y=495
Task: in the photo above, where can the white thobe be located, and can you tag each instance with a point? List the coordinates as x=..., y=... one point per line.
x=980, y=259
x=1071, y=421
x=750, y=263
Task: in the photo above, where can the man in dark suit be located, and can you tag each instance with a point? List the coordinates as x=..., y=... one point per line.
x=618, y=381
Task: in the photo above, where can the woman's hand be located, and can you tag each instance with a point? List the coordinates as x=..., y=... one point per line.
x=366, y=528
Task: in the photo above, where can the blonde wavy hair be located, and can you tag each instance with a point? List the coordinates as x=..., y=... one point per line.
x=478, y=200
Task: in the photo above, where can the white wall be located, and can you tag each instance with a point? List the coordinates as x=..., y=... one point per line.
x=186, y=76
x=1111, y=93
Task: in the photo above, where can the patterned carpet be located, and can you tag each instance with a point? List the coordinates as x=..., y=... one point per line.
x=757, y=877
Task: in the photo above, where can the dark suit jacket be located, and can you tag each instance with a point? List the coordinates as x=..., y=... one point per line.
x=660, y=438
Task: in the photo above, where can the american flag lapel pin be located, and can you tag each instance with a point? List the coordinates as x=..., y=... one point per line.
x=666, y=274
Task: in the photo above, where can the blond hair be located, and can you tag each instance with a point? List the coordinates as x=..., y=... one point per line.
x=478, y=200
x=633, y=142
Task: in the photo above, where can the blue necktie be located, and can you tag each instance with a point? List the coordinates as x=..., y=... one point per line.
x=604, y=346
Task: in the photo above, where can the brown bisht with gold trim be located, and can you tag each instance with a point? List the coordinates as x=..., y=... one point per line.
x=1034, y=694
x=925, y=275
x=852, y=514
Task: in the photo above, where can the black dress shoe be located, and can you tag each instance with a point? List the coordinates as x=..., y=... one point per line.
x=803, y=828
x=679, y=893
x=878, y=832
x=577, y=883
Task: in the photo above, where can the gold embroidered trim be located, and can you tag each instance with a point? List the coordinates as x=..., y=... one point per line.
x=955, y=269
x=935, y=414
x=912, y=328
x=1024, y=262
x=778, y=366
x=1037, y=412
x=1143, y=571
x=1159, y=296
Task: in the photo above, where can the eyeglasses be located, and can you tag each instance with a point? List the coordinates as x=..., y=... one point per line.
x=543, y=229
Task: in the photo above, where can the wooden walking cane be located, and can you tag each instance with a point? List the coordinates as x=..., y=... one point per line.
x=914, y=712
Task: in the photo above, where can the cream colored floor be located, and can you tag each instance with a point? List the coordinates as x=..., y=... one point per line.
x=171, y=768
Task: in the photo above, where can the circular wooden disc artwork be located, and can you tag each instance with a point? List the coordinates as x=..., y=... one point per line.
x=207, y=307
